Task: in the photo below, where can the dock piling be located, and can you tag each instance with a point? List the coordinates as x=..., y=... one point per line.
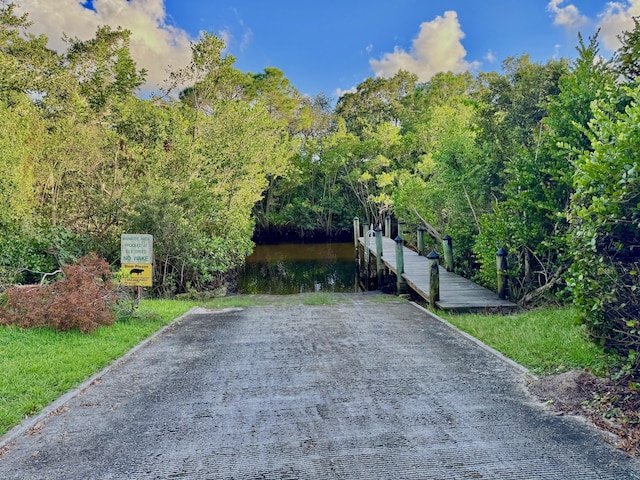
x=447, y=245
x=401, y=225
x=379, y=264
x=434, y=278
x=400, y=283
x=420, y=235
x=502, y=267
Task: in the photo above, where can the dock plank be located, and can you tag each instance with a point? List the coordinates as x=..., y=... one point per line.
x=456, y=292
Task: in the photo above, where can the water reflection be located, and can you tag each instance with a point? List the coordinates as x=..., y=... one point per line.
x=297, y=268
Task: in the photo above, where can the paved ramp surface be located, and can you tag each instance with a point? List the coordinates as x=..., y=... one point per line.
x=361, y=391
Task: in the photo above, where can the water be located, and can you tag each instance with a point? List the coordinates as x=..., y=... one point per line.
x=289, y=268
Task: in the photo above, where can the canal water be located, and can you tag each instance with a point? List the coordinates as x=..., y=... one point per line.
x=289, y=268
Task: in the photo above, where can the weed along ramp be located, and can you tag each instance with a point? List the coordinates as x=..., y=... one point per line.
x=365, y=390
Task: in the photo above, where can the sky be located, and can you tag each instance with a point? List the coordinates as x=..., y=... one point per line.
x=331, y=46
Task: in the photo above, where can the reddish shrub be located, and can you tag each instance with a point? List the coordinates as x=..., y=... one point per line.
x=83, y=299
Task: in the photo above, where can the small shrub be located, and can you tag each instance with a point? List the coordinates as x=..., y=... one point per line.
x=83, y=299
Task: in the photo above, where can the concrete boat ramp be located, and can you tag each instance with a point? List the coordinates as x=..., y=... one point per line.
x=358, y=390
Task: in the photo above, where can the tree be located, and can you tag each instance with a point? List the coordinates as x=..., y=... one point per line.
x=442, y=188
x=605, y=221
x=374, y=102
x=276, y=93
x=213, y=154
x=527, y=194
x=210, y=76
x=627, y=57
x=104, y=67
x=25, y=63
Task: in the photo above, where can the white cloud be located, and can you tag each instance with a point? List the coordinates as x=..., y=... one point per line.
x=156, y=45
x=226, y=36
x=339, y=92
x=617, y=18
x=247, y=36
x=490, y=57
x=568, y=17
x=437, y=48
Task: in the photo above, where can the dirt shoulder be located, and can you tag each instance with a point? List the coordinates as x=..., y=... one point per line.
x=612, y=406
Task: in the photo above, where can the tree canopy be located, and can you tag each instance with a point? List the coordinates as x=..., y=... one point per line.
x=540, y=158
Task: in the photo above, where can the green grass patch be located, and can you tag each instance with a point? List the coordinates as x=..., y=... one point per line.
x=310, y=298
x=545, y=340
x=39, y=365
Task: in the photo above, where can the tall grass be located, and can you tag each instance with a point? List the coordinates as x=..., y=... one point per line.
x=545, y=340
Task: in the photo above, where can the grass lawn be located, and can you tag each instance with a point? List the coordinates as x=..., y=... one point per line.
x=39, y=365
x=545, y=340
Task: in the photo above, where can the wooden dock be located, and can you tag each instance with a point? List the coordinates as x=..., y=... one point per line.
x=456, y=293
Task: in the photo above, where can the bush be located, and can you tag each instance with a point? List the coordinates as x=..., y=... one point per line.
x=22, y=257
x=83, y=299
x=605, y=227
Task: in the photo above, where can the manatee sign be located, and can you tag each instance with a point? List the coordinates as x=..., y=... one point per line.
x=136, y=257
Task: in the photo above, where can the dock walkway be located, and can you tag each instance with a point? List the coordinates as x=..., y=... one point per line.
x=456, y=292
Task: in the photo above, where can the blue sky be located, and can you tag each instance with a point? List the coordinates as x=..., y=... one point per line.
x=331, y=46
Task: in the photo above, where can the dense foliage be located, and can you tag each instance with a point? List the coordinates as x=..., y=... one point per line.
x=84, y=159
x=538, y=158
x=605, y=219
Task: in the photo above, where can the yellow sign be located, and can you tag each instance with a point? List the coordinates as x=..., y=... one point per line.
x=136, y=275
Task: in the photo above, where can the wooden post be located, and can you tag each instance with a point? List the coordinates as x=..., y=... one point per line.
x=502, y=267
x=356, y=231
x=420, y=236
x=400, y=283
x=358, y=267
x=401, y=224
x=379, y=264
x=387, y=226
x=137, y=296
x=447, y=245
x=434, y=278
